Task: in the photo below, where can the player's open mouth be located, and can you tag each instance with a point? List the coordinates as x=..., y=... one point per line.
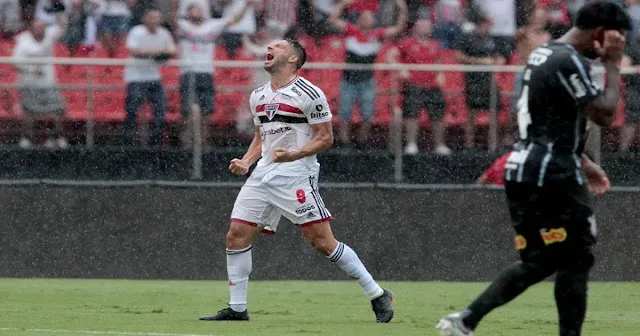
x=269, y=57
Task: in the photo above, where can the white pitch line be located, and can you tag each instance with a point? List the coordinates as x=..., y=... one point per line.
x=95, y=332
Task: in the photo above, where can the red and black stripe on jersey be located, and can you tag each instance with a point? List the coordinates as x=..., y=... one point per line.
x=285, y=113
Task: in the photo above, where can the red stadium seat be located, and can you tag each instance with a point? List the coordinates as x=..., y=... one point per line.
x=108, y=75
x=109, y=105
x=76, y=104
x=6, y=47
x=10, y=104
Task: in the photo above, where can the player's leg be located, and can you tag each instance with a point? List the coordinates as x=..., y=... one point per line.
x=251, y=211
x=572, y=248
x=300, y=202
x=321, y=238
x=571, y=294
x=524, y=201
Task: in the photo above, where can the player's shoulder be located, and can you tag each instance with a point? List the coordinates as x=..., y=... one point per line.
x=257, y=91
x=562, y=55
x=305, y=89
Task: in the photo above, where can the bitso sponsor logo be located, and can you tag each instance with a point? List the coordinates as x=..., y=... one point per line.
x=319, y=115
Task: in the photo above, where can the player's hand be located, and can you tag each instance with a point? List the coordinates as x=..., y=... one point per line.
x=283, y=155
x=597, y=179
x=612, y=49
x=238, y=167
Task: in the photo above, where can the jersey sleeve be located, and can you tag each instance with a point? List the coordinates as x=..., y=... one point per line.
x=575, y=77
x=317, y=108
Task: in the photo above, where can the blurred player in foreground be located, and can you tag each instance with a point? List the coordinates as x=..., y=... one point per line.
x=547, y=193
x=292, y=124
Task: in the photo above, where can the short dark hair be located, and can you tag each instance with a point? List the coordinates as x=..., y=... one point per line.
x=299, y=50
x=606, y=14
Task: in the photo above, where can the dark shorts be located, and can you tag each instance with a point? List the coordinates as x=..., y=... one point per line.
x=553, y=223
x=632, y=104
x=417, y=98
x=478, y=95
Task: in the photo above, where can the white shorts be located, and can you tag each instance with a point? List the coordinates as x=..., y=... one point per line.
x=263, y=202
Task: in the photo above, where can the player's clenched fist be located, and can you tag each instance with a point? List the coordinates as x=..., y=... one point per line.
x=238, y=167
x=612, y=48
x=283, y=155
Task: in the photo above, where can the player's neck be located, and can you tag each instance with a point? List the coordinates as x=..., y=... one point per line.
x=573, y=38
x=280, y=80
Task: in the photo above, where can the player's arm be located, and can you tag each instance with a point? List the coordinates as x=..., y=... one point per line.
x=401, y=21
x=319, y=117
x=321, y=141
x=603, y=109
x=335, y=18
x=597, y=179
x=253, y=154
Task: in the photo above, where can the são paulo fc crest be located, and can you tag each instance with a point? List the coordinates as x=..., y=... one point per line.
x=270, y=110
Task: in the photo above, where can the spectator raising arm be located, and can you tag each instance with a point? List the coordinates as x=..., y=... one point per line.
x=336, y=17
x=401, y=21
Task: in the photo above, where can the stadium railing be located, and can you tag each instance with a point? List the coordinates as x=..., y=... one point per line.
x=91, y=86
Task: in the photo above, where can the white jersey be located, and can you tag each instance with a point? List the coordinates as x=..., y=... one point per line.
x=285, y=117
x=197, y=43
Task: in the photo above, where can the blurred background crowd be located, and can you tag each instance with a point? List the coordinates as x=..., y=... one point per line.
x=44, y=104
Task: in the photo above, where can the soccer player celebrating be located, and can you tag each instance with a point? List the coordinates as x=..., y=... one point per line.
x=293, y=124
x=548, y=176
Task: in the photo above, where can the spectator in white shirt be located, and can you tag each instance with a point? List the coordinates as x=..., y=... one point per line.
x=114, y=24
x=149, y=44
x=197, y=36
x=39, y=93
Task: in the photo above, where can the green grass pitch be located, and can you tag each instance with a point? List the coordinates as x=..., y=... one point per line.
x=38, y=307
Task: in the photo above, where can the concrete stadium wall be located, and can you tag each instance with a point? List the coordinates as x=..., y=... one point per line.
x=178, y=233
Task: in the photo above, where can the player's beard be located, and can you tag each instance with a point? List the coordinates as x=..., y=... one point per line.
x=275, y=66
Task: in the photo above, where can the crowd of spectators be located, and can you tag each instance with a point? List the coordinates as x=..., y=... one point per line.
x=484, y=32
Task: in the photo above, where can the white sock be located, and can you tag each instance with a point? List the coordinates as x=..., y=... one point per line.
x=348, y=260
x=238, y=269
